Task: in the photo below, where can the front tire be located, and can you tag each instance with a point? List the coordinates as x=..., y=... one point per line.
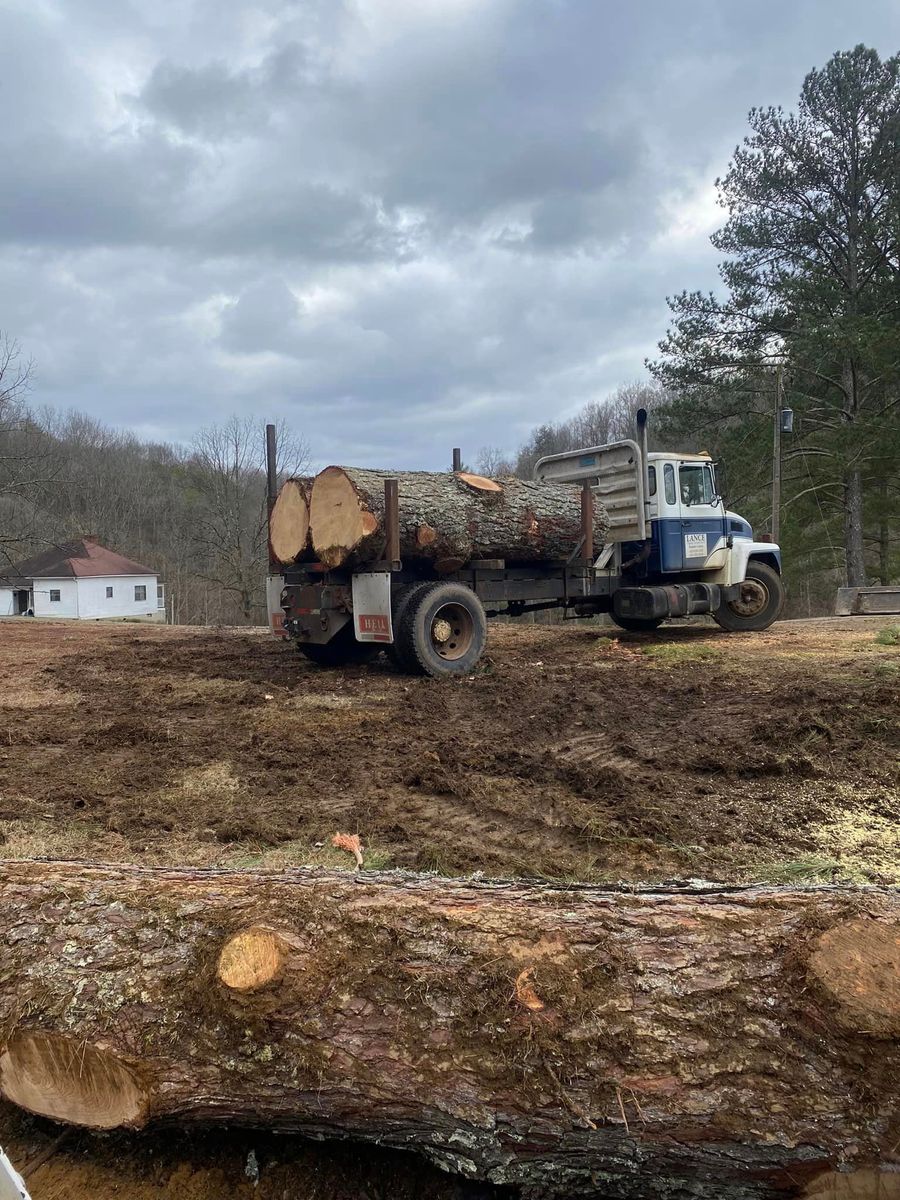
x=443, y=630
x=343, y=650
x=759, y=604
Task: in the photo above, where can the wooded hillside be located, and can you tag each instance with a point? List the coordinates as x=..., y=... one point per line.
x=195, y=514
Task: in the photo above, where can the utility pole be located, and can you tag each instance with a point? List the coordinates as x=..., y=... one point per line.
x=776, y=458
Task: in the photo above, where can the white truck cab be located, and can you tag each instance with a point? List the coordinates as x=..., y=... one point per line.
x=694, y=537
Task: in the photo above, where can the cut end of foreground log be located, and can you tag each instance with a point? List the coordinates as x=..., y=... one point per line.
x=71, y=1080
x=289, y=522
x=858, y=963
x=251, y=959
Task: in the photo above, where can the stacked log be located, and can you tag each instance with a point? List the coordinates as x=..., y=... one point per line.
x=736, y=1044
x=289, y=522
x=445, y=518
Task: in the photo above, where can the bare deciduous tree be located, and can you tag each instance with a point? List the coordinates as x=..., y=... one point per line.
x=598, y=422
x=24, y=466
x=227, y=472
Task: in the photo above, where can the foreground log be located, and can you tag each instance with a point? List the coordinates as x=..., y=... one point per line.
x=289, y=522
x=573, y=1041
x=445, y=518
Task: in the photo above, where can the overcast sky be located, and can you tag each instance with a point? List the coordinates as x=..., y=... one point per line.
x=401, y=225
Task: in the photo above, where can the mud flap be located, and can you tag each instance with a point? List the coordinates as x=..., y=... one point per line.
x=372, y=607
x=274, y=586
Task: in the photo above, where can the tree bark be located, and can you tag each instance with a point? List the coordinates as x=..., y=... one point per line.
x=884, y=535
x=445, y=518
x=726, y=1045
x=289, y=521
x=853, y=530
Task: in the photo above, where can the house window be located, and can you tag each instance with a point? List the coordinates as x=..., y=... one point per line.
x=140, y=591
x=109, y=593
x=55, y=596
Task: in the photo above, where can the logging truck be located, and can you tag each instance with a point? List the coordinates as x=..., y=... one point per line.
x=414, y=563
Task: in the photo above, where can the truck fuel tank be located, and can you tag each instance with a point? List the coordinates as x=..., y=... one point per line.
x=667, y=600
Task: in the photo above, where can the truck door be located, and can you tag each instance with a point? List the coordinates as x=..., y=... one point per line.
x=703, y=523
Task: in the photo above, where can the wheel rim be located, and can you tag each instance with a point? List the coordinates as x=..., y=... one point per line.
x=452, y=631
x=753, y=599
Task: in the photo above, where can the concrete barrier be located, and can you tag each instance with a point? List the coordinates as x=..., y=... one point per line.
x=867, y=601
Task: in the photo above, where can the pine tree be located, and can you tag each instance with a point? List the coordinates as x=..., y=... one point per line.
x=812, y=280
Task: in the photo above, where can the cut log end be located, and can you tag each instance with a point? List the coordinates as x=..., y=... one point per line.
x=69, y=1080
x=251, y=959
x=858, y=965
x=480, y=483
x=336, y=517
x=289, y=522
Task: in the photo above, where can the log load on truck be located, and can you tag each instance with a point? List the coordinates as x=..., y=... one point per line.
x=415, y=562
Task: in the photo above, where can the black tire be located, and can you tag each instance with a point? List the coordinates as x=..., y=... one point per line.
x=638, y=624
x=399, y=606
x=443, y=630
x=342, y=651
x=760, y=602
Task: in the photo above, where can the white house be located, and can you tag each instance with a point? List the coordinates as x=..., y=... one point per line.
x=81, y=579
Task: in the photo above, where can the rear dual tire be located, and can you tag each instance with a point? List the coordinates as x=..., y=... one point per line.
x=439, y=629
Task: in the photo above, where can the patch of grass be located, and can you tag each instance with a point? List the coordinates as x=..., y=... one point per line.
x=884, y=668
x=889, y=636
x=681, y=652
x=52, y=839
x=813, y=869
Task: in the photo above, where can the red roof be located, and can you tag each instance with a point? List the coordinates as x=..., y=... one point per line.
x=79, y=559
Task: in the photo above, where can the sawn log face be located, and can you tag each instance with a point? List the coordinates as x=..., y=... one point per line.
x=568, y=1040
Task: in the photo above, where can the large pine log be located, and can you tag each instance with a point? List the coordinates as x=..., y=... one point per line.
x=445, y=518
x=730, y=1045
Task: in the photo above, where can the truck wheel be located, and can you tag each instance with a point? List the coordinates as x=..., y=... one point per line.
x=638, y=624
x=759, y=604
x=342, y=651
x=399, y=606
x=443, y=630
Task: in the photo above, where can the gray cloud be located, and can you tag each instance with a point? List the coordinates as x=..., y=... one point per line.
x=402, y=226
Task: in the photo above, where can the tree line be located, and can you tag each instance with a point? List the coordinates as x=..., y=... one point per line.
x=195, y=514
x=807, y=316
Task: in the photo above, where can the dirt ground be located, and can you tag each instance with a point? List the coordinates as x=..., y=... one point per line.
x=573, y=753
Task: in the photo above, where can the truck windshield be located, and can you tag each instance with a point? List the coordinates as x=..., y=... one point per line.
x=696, y=484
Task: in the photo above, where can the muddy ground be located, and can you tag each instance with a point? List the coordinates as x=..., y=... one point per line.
x=573, y=753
